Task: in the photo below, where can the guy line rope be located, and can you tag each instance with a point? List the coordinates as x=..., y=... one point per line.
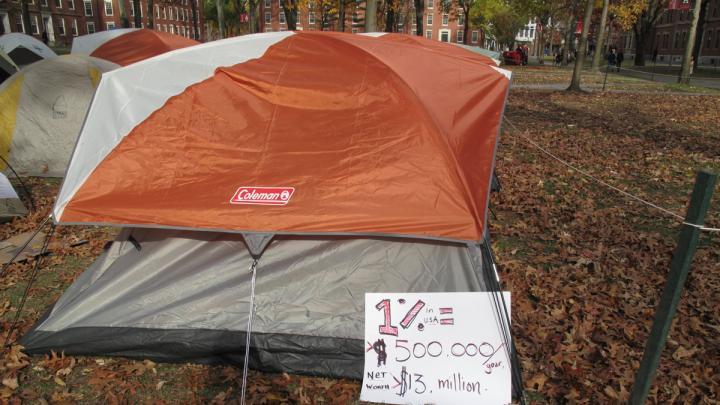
x=610, y=186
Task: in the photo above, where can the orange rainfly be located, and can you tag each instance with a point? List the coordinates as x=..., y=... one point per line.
x=303, y=133
x=140, y=45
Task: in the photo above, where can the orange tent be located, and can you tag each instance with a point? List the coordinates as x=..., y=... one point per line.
x=360, y=134
x=126, y=46
x=272, y=136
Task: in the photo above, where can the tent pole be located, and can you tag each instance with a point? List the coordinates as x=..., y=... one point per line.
x=492, y=280
x=22, y=184
x=25, y=245
x=33, y=276
x=253, y=270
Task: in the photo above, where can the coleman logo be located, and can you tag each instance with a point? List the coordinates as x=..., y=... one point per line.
x=263, y=195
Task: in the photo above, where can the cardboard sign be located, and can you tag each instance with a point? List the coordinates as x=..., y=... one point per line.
x=442, y=348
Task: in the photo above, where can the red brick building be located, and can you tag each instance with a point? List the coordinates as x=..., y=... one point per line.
x=65, y=19
x=447, y=27
x=670, y=37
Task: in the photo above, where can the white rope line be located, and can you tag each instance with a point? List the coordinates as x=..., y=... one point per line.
x=623, y=192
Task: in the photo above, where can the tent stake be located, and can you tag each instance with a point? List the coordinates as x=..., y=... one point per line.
x=679, y=269
x=253, y=269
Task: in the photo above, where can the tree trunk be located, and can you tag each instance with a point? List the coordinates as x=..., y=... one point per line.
x=569, y=37
x=290, y=9
x=252, y=16
x=193, y=8
x=150, y=14
x=419, y=14
x=220, y=5
x=539, y=42
x=341, y=16
x=124, y=21
x=466, y=26
x=389, y=16
x=371, y=15
x=639, y=47
x=26, y=16
x=582, y=47
x=600, y=37
x=701, y=32
x=138, y=13
x=687, y=62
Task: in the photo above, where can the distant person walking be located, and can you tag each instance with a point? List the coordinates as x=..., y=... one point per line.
x=611, y=59
x=620, y=58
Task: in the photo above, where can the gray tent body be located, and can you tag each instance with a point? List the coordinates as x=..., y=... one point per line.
x=175, y=295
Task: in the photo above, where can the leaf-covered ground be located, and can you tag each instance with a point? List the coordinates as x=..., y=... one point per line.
x=586, y=267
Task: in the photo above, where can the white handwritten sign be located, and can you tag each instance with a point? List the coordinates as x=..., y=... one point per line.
x=442, y=348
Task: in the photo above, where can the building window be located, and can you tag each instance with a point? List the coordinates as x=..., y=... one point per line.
x=58, y=3
x=34, y=25
x=429, y=20
x=282, y=17
x=90, y=27
x=460, y=37
x=177, y=14
x=73, y=27
x=165, y=13
x=44, y=3
x=61, y=27
x=108, y=7
x=157, y=11
x=110, y=25
x=709, y=39
x=461, y=19
x=428, y=34
x=429, y=3
x=445, y=18
x=132, y=8
x=71, y=4
x=474, y=37
x=19, y=24
x=311, y=18
x=354, y=30
x=267, y=4
x=268, y=17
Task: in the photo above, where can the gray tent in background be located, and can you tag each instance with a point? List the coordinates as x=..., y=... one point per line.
x=7, y=66
x=496, y=56
x=11, y=206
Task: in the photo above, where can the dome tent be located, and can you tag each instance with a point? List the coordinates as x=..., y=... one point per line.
x=323, y=161
x=7, y=66
x=24, y=49
x=129, y=45
x=42, y=108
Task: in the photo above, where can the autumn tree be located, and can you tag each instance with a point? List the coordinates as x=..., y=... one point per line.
x=642, y=15
x=419, y=14
x=600, y=37
x=582, y=48
x=499, y=18
x=150, y=14
x=220, y=6
x=370, y=15
x=193, y=7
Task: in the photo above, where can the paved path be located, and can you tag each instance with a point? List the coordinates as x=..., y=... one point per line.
x=598, y=89
x=709, y=82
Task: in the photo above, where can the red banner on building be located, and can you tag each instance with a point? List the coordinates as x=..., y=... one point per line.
x=679, y=5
